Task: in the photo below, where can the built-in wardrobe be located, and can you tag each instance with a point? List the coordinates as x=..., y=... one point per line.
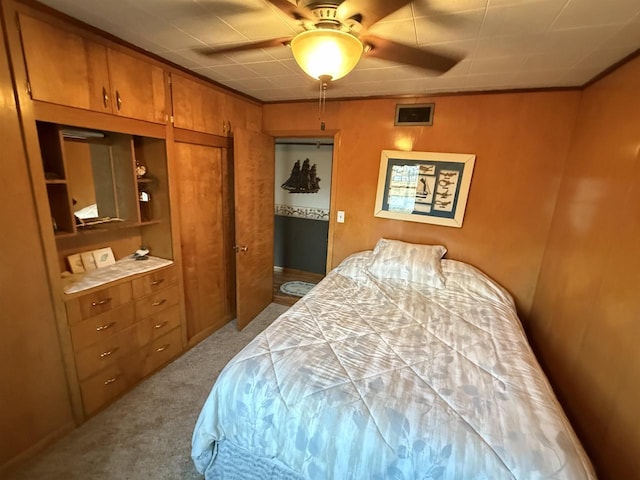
x=109, y=151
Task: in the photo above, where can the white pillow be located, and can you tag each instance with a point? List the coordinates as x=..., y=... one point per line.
x=419, y=264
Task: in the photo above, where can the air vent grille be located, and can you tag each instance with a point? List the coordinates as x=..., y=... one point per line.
x=414, y=114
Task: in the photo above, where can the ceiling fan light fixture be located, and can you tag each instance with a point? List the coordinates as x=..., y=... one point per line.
x=326, y=53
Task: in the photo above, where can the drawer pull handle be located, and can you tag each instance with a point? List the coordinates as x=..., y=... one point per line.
x=158, y=303
x=110, y=381
x=101, y=302
x=163, y=348
x=108, y=353
x=107, y=326
x=157, y=282
x=159, y=325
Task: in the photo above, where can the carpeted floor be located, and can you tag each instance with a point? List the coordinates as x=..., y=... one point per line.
x=147, y=433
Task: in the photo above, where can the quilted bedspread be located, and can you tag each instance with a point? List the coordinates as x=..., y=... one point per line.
x=370, y=379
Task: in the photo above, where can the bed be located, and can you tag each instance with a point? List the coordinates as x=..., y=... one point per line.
x=398, y=365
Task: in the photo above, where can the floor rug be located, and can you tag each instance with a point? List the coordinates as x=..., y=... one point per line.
x=296, y=288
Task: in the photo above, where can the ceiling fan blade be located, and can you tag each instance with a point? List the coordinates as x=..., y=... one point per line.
x=274, y=42
x=370, y=11
x=399, y=53
x=294, y=11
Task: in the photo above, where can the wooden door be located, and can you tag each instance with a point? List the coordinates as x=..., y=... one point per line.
x=137, y=87
x=64, y=68
x=33, y=386
x=201, y=207
x=253, y=191
x=197, y=107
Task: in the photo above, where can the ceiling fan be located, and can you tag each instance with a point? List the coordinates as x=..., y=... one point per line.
x=335, y=37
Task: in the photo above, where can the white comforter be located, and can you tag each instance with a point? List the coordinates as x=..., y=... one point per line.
x=362, y=379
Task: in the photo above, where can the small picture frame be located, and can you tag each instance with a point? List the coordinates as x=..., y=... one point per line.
x=88, y=261
x=103, y=257
x=75, y=263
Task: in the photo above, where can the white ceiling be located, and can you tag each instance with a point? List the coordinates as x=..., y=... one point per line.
x=507, y=44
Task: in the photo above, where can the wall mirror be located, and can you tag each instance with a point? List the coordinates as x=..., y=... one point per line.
x=99, y=176
x=89, y=176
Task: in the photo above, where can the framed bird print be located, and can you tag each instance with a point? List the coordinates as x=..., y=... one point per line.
x=426, y=187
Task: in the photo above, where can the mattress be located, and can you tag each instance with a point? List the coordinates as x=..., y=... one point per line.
x=371, y=379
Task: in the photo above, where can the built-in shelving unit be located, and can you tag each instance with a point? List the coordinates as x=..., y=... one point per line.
x=98, y=194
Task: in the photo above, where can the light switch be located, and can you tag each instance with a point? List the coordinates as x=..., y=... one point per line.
x=340, y=216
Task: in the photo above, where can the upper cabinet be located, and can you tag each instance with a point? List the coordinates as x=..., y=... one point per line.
x=68, y=69
x=197, y=107
x=243, y=114
x=203, y=108
x=137, y=87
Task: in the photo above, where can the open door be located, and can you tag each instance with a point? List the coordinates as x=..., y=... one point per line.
x=253, y=165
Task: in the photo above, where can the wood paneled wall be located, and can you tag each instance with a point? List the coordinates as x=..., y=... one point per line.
x=585, y=320
x=32, y=378
x=521, y=141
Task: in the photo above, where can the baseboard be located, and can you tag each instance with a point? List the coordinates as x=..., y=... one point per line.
x=293, y=271
x=196, y=339
x=36, y=448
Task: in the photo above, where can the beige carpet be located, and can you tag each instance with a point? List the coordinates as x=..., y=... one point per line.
x=147, y=433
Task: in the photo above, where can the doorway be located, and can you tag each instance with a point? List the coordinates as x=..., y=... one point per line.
x=302, y=200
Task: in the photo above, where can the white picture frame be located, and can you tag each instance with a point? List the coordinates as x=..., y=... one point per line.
x=425, y=187
x=88, y=261
x=75, y=263
x=104, y=257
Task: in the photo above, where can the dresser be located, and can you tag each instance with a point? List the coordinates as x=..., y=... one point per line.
x=122, y=332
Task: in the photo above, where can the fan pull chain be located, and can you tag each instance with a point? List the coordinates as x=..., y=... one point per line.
x=322, y=100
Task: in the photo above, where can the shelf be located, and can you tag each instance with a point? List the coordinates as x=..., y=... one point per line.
x=145, y=180
x=150, y=222
x=99, y=229
x=56, y=182
x=105, y=227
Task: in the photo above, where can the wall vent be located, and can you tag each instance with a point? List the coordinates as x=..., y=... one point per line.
x=415, y=114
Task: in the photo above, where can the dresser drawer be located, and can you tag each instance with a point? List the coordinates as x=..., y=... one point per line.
x=102, y=327
x=104, y=387
x=160, y=351
x=93, y=304
x=156, y=325
x=151, y=304
x=155, y=281
x=104, y=354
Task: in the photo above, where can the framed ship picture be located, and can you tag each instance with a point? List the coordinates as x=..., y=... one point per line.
x=426, y=187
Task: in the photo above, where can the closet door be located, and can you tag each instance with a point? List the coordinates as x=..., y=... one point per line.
x=254, y=172
x=34, y=397
x=202, y=234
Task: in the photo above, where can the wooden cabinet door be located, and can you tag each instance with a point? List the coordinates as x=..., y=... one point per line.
x=254, y=171
x=253, y=117
x=63, y=67
x=242, y=113
x=137, y=87
x=200, y=203
x=235, y=113
x=197, y=107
